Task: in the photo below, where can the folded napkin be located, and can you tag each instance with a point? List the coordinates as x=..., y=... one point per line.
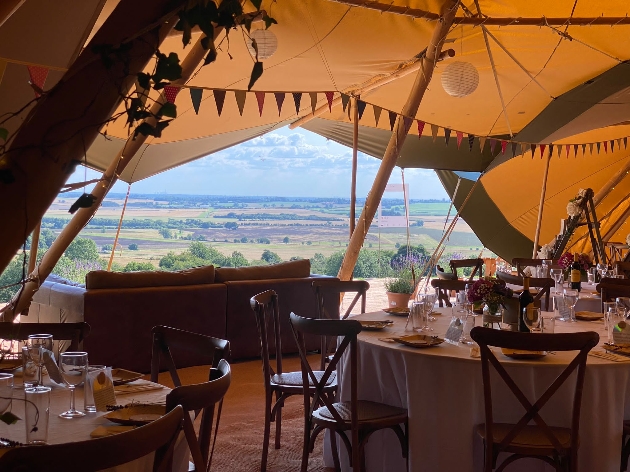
x=609, y=356
x=103, y=431
x=137, y=386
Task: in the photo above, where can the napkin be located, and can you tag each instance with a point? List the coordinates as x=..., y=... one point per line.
x=103, y=431
x=137, y=386
x=609, y=356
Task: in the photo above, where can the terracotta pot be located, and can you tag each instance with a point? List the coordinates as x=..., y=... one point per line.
x=398, y=299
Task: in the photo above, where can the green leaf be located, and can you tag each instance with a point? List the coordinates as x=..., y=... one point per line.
x=256, y=3
x=256, y=73
x=168, y=109
x=4, y=134
x=9, y=418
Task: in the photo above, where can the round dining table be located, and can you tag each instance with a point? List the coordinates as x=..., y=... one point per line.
x=441, y=388
x=61, y=430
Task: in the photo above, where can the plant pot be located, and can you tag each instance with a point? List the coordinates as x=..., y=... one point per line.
x=398, y=299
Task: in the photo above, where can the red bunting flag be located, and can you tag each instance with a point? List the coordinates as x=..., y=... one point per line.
x=170, y=93
x=503, y=146
x=219, y=99
x=420, y=128
x=260, y=98
x=329, y=98
x=568, y=149
x=279, y=100
x=542, y=149
x=606, y=147
x=460, y=136
x=38, y=77
x=493, y=143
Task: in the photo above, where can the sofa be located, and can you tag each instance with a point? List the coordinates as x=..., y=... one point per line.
x=122, y=308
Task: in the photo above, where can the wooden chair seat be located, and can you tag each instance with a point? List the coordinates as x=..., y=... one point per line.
x=367, y=412
x=292, y=379
x=529, y=440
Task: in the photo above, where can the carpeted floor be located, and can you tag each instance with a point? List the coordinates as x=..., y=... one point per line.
x=239, y=444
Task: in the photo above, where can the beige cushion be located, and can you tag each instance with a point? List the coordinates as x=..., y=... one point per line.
x=103, y=279
x=284, y=270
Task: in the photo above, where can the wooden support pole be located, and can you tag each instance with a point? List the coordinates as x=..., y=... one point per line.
x=541, y=206
x=34, y=246
x=8, y=8
x=398, y=138
x=616, y=225
x=355, y=147
x=614, y=180
x=120, y=222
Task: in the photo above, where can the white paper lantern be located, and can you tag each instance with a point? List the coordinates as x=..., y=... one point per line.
x=266, y=42
x=460, y=79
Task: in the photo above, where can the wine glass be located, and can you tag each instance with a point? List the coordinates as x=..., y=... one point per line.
x=37, y=344
x=425, y=307
x=73, y=368
x=531, y=317
x=571, y=298
x=623, y=306
x=556, y=274
x=431, y=299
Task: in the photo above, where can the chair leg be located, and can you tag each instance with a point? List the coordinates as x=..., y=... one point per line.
x=305, y=447
x=278, y=421
x=333, y=448
x=625, y=453
x=265, y=451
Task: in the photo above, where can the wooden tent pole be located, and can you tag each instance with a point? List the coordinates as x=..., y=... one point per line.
x=541, y=206
x=355, y=146
x=617, y=224
x=34, y=246
x=397, y=138
x=120, y=222
x=8, y=8
x=614, y=180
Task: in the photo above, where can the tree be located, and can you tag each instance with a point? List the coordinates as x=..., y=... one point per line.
x=270, y=257
x=135, y=266
x=286, y=240
x=133, y=247
x=264, y=241
x=107, y=248
x=46, y=238
x=166, y=233
x=243, y=239
x=231, y=225
x=82, y=249
x=318, y=263
x=238, y=260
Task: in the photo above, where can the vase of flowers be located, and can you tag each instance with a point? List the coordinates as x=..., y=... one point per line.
x=490, y=293
x=566, y=260
x=399, y=289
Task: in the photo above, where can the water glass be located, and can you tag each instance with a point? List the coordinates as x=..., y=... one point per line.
x=613, y=318
x=6, y=391
x=548, y=323
x=73, y=369
x=88, y=387
x=37, y=344
x=623, y=306
x=37, y=411
x=591, y=277
x=571, y=299
x=469, y=323
x=607, y=308
x=29, y=369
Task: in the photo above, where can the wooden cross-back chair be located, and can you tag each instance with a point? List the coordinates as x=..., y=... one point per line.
x=67, y=336
x=610, y=289
x=203, y=397
x=444, y=287
x=361, y=418
x=476, y=264
x=543, y=286
x=278, y=383
x=623, y=268
x=521, y=263
x=102, y=453
x=554, y=445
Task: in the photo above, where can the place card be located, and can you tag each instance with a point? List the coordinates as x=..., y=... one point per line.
x=103, y=390
x=454, y=331
x=621, y=333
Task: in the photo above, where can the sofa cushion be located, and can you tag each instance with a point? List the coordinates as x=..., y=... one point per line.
x=284, y=270
x=100, y=279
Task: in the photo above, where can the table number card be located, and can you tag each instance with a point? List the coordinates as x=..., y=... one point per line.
x=103, y=389
x=561, y=307
x=621, y=333
x=454, y=331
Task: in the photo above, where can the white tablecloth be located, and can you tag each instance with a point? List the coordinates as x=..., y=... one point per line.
x=442, y=389
x=61, y=430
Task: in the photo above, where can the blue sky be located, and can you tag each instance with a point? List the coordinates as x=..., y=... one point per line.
x=281, y=163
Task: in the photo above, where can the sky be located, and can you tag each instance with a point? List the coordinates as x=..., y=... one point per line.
x=284, y=162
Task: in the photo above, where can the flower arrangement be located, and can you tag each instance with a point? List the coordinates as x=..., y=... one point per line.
x=490, y=291
x=402, y=284
x=566, y=260
x=574, y=207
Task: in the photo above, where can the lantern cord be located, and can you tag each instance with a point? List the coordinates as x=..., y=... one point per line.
x=496, y=80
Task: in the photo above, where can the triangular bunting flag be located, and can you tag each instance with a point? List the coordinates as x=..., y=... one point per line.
x=482, y=143
x=434, y=131
x=420, y=128
x=447, y=135
x=612, y=145
x=533, y=150
x=377, y=113
x=568, y=149
x=559, y=150
x=313, y=96
x=195, y=97
x=361, y=106
x=260, y=98
x=625, y=143
x=618, y=141
x=493, y=143
x=240, y=96
x=38, y=77
x=460, y=136
x=514, y=148
x=503, y=146
x=575, y=150
x=407, y=122
x=599, y=147
x=551, y=150
x=329, y=99
x=471, y=142
x=606, y=147
x=219, y=99
x=297, y=98
x=392, y=120
x=345, y=99
x=542, y=149
x=170, y=93
x=523, y=149
x=584, y=149
x=279, y=100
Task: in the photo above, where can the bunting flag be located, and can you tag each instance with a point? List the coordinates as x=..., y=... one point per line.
x=523, y=149
x=240, y=96
x=219, y=99
x=392, y=120
x=533, y=150
x=568, y=149
x=170, y=93
x=420, y=128
x=407, y=122
x=612, y=145
x=329, y=98
x=514, y=144
x=361, y=106
x=591, y=148
x=482, y=143
x=279, y=100
x=625, y=143
x=493, y=143
x=542, y=150
x=605, y=147
x=584, y=150
x=313, y=96
x=195, y=97
x=297, y=98
x=575, y=150
x=434, y=132
x=559, y=150
x=618, y=141
x=377, y=114
x=471, y=142
x=447, y=135
x=460, y=136
x=599, y=147
x=260, y=98
x=551, y=150
x=503, y=146
x=38, y=77
x=345, y=99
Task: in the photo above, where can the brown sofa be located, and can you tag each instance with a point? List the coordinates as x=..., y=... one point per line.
x=121, y=309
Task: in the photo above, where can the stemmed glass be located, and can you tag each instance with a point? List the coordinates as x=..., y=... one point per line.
x=602, y=269
x=425, y=307
x=37, y=344
x=571, y=299
x=556, y=274
x=531, y=317
x=73, y=368
x=623, y=306
x=431, y=299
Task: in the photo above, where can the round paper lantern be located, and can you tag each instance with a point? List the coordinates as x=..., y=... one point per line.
x=266, y=42
x=460, y=79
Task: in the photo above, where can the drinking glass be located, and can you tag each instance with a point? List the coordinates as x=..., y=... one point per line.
x=93, y=372
x=623, y=306
x=556, y=274
x=431, y=298
x=571, y=299
x=37, y=344
x=548, y=323
x=416, y=314
x=531, y=317
x=29, y=369
x=613, y=317
x=546, y=265
x=73, y=368
x=37, y=411
x=6, y=391
x=425, y=310
x=600, y=268
x=591, y=278
x=469, y=323
x=608, y=307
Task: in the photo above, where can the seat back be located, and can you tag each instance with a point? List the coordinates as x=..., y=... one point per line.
x=444, y=287
x=75, y=333
x=476, y=264
x=582, y=342
x=103, y=453
x=443, y=275
x=610, y=289
x=543, y=286
x=325, y=289
x=265, y=307
x=202, y=398
x=521, y=263
x=623, y=268
x=166, y=339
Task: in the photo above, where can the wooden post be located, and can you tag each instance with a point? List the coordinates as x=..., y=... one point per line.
x=614, y=180
x=8, y=8
x=355, y=145
x=34, y=246
x=398, y=137
x=541, y=205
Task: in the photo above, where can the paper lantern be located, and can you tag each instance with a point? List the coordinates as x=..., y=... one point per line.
x=266, y=42
x=460, y=79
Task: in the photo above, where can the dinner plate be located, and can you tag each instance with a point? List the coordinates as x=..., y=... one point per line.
x=521, y=354
x=398, y=311
x=618, y=348
x=588, y=316
x=419, y=340
x=136, y=414
x=123, y=376
x=375, y=325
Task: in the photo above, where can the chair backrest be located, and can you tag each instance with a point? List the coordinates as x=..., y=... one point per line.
x=610, y=289
x=202, y=398
x=443, y=275
x=326, y=289
x=544, y=285
x=582, y=342
x=266, y=311
x=476, y=264
x=75, y=333
x=444, y=287
x=623, y=268
x=210, y=350
x=103, y=453
x=521, y=263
